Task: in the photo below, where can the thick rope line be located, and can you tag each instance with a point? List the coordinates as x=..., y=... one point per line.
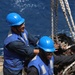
x=52, y=18
x=56, y=17
x=69, y=11
x=68, y=68
x=66, y=17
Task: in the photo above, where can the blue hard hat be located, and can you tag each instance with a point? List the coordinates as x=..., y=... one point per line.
x=15, y=19
x=46, y=43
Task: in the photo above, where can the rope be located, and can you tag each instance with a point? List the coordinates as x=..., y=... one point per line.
x=52, y=18
x=68, y=68
x=69, y=11
x=56, y=17
x=66, y=17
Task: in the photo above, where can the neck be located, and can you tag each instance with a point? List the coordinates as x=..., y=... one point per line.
x=15, y=31
x=44, y=59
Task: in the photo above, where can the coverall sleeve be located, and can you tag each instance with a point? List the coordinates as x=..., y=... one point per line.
x=33, y=39
x=20, y=48
x=61, y=60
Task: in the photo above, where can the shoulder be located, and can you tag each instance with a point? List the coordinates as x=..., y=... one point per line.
x=10, y=38
x=25, y=31
x=34, y=61
x=32, y=71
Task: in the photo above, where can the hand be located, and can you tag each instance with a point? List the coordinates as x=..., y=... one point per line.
x=36, y=51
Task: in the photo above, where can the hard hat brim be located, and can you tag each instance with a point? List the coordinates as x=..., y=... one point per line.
x=19, y=23
x=47, y=50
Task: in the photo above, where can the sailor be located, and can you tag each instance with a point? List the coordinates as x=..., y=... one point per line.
x=43, y=63
x=17, y=45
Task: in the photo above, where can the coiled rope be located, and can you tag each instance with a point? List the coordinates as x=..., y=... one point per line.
x=54, y=18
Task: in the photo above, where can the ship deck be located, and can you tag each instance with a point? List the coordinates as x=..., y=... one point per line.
x=1, y=65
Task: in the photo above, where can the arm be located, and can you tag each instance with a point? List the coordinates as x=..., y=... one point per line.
x=20, y=48
x=32, y=71
x=33, y=39
x=63, y=60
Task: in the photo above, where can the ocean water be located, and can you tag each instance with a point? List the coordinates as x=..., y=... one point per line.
x=36, y=14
